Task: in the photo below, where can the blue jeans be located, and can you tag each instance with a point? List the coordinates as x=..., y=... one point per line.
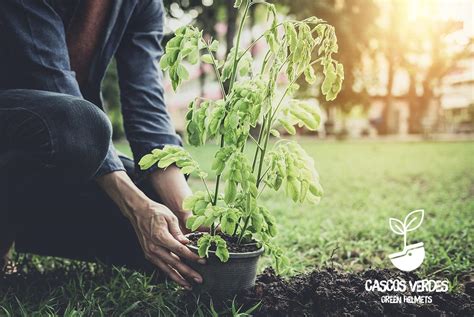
x=51, y=146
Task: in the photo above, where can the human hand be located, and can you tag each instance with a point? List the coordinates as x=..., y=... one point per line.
x=157, y=229
x=163, y=242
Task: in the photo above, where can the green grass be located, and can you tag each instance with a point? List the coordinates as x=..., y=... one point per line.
x=365, y=183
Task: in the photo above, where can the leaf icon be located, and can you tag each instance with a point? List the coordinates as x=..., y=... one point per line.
x=414, y=219
x=396, y=226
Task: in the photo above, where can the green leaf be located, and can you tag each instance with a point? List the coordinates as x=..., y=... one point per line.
x=275, y=133
x=230, y=192
x=257, y=221
x=196, y=202
x=237, y=3
x=215, y=118
x=196, y=125
x=289, y=164
x=287, y=125
x=207, y=58
x=316, y=189
x=221, y=249
x=147, y=161
x=172, y=154
x=164, y=64
x=293, y=188
x=182, y=72
x=214, y=46
x=193, y=57
x=190, y=221
x=309, y=75
x=221, y=157
x=198, y=222
x=204, y=243
x=243, y=67
x=291, y=35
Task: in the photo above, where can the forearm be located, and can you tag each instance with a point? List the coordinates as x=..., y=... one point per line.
x=171, y=186
x=125, y=194
x=157, y=228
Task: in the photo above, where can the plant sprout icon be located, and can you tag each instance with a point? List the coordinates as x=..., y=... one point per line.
x=412, y=255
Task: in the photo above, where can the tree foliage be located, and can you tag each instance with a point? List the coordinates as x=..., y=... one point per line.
x=354, y=21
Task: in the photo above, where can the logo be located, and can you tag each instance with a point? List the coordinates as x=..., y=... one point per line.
x=394, y=290
x=412, y=256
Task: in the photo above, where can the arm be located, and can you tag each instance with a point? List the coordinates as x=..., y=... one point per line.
x=172, y=188
x=38, y=56
x=146, y=120
x=156, y=226
x=148, y=126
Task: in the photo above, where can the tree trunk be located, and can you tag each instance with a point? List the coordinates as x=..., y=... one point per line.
x=387, y=110
x=414, y=121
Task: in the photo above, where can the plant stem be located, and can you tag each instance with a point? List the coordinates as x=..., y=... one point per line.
x=237, y=44
x=255, y=141
x=259, y=147
x=216, y=193
x=288, y=89
x=264, y=133
x=246, y=224
x=262, y=154
x=263, y=175
x=261, y=191
x=258, y=39
x=207, y=188
x=216, y=70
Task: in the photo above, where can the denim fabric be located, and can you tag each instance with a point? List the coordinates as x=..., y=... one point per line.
x=51, y=146
x=46, y=130
x=33, y=55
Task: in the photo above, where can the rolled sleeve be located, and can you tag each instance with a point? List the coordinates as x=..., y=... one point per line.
x=112, y=162
x=146, y=120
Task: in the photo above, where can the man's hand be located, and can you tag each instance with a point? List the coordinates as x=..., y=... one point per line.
x=156, y=226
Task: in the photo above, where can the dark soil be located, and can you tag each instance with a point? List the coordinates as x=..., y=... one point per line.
x=333, y=293
x=232, y=244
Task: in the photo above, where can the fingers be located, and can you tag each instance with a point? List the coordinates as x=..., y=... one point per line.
x=175, y=230
x=172, y=274
x=170, y=243
x=161, y=236
x=175, y=262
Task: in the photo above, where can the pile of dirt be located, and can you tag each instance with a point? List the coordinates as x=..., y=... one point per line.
x=333, y=293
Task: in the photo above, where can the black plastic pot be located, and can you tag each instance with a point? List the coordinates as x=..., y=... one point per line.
x=226, y=279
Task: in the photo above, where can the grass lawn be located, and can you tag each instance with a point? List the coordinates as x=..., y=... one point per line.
x=365, y=183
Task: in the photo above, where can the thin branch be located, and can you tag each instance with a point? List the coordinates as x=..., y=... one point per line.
x=207, y=189
x=255, y=141
x=216, y=71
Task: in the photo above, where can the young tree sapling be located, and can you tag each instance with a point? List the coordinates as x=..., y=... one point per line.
x=251, y=98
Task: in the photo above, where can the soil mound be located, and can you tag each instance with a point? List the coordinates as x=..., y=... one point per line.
x=333, y=293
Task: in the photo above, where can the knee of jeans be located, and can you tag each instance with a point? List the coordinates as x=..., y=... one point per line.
x=85, y=140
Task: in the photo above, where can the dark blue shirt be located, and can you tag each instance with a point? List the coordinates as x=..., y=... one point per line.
x=33, y=55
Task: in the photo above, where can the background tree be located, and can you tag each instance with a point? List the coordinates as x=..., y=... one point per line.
x=415, y=42
x=353, y=22
x=431, y=43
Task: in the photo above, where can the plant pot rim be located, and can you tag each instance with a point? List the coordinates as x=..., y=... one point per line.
x=232, y=255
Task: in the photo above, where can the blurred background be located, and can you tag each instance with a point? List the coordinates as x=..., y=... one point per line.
x=409, y=65
x=399, y=136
